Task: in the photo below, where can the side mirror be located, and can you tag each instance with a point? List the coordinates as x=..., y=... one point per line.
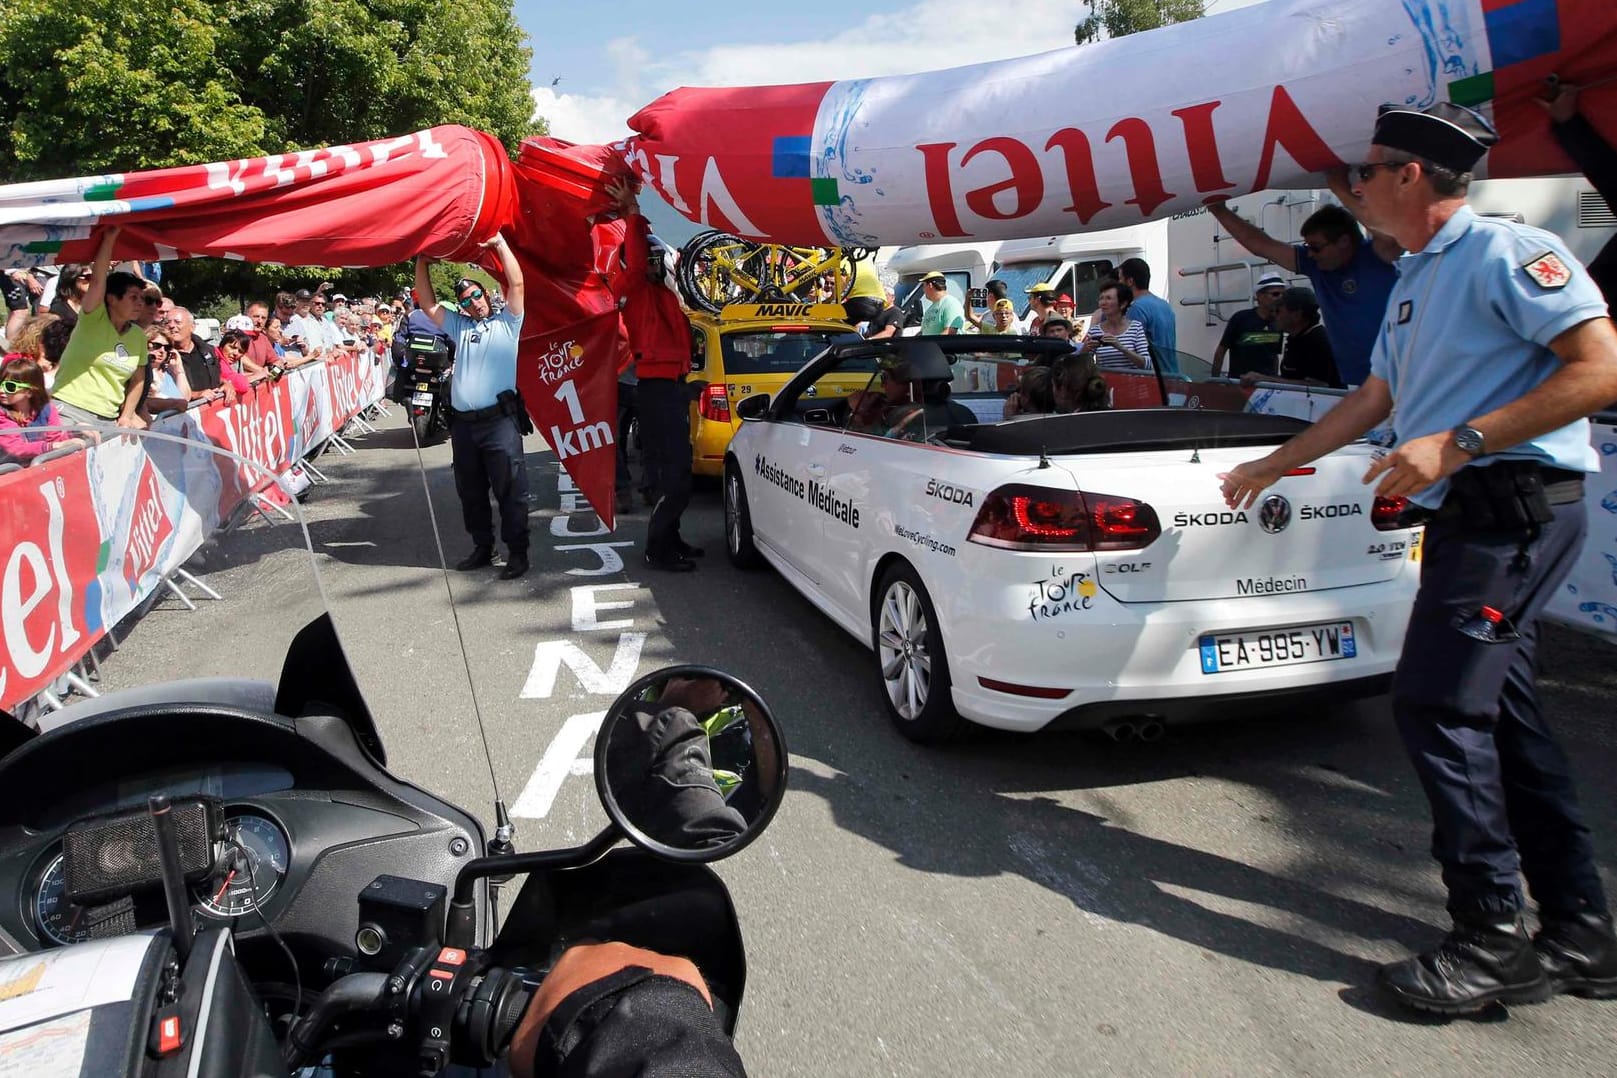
x=753, y=407
x=690, y=763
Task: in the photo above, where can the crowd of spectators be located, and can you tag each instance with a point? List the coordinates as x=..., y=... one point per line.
x=99, y=347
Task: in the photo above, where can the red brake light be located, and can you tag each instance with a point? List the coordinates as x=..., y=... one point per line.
x=1387, y=514
x=1299, y=471
x=714, y=403
x=1019, y=517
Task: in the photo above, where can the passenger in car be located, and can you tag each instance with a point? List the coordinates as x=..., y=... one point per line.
x=1077, y=384
x=1032, y=395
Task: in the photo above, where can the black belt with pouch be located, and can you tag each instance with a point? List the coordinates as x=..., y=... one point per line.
x=1506, y=496
x=508, y=403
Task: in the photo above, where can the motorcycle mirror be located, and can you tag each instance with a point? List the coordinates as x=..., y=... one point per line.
x=690, y=763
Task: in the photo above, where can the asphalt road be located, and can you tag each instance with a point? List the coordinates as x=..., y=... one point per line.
x=1215, y=903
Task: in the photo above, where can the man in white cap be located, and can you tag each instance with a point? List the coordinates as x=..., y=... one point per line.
x=1495, y=347
x=1252, y=337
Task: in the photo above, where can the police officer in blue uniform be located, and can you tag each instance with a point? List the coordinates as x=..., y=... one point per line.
x=486, y=418
x=1495, y=347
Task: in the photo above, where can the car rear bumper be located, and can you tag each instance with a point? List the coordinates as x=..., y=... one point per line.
x=1083, y=668
x=1187, y=709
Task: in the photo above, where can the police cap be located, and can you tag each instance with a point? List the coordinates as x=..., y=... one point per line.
x=1445, y=134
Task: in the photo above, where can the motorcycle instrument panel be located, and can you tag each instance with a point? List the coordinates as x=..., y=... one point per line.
x=257, y=855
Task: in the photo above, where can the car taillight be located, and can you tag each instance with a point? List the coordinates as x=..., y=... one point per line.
x=1387, y=514
x=714, y=403
x=1018, y=517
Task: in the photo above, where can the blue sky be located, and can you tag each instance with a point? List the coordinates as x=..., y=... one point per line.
x=614, y=57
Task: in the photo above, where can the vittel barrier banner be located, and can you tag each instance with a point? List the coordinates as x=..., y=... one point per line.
x=1122, y=131
x=75, y=564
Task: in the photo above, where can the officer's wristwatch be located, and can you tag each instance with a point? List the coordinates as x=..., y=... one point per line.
x=1468, y=440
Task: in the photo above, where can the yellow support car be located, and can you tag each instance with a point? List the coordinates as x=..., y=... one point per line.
x=754, y=348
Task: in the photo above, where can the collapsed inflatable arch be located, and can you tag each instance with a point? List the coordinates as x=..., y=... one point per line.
x=1121, y=131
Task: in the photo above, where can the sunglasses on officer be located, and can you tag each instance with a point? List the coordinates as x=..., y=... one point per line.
x=470, y=298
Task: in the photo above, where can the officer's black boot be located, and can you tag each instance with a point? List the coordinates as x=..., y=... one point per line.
x=480, y=556
x=1483, y=960
x=516, y=564
x=1579, y=953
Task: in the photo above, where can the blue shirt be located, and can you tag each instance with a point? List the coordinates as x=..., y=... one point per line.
x=1467, y=331
x=485, y=358
x=1351, y=302
x=1156, y=314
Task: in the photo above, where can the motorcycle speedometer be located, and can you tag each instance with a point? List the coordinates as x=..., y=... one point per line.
x=58, y=917
x=258, y=864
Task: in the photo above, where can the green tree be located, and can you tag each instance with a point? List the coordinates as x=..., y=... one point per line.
x=1117, y=18
x=93, y=86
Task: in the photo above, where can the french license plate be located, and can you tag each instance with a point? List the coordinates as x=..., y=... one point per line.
x=1258, y=648
x=423, y=400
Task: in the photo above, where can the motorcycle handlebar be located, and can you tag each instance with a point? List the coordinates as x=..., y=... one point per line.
x=355, y=992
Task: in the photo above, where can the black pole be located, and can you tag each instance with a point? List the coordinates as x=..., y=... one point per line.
x=168, y=848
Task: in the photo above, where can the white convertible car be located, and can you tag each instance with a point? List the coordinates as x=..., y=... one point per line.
x=1076, y=570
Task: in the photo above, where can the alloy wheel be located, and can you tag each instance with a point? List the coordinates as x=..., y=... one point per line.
x=906, y=666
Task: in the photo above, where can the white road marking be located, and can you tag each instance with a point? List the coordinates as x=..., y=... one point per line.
x=610, y=561
x=550, y=655
x=563, y=757
x=586, y=607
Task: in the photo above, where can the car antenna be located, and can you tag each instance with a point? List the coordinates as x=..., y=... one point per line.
x=504, y=840
x=1044, y=457
x=1195, y=454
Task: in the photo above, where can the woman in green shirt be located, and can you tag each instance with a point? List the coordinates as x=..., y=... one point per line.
x=102, y=376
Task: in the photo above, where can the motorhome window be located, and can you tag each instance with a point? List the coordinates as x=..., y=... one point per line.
x=1020, y=276
x=1082, y=283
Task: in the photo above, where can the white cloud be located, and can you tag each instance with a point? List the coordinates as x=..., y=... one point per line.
x=582, y=117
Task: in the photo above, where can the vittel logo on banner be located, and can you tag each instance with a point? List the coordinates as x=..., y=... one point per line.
x=149, y=529
x=346, y=394
x=256, y=431
x=34, y=628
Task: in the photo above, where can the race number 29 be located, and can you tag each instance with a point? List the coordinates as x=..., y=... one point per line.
x=581, y=437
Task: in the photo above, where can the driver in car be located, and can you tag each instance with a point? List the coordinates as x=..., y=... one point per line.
x=890, y=412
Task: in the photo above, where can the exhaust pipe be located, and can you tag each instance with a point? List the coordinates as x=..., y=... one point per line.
x=1150, y=730
x=1119, y=730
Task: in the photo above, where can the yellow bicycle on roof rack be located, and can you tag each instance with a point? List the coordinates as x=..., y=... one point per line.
x=717, y=269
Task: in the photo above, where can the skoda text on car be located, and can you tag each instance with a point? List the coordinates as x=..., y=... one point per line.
x=748, y=349
x=1067, y=571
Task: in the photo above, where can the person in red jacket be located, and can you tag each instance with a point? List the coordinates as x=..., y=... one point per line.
x=660, y=342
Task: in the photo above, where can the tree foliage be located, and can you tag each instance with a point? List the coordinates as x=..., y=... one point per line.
x=1117, y=18
x=93, y=86
x=97, y=86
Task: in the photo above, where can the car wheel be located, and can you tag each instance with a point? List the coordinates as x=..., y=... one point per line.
x=911, y=663
x=738, y=521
